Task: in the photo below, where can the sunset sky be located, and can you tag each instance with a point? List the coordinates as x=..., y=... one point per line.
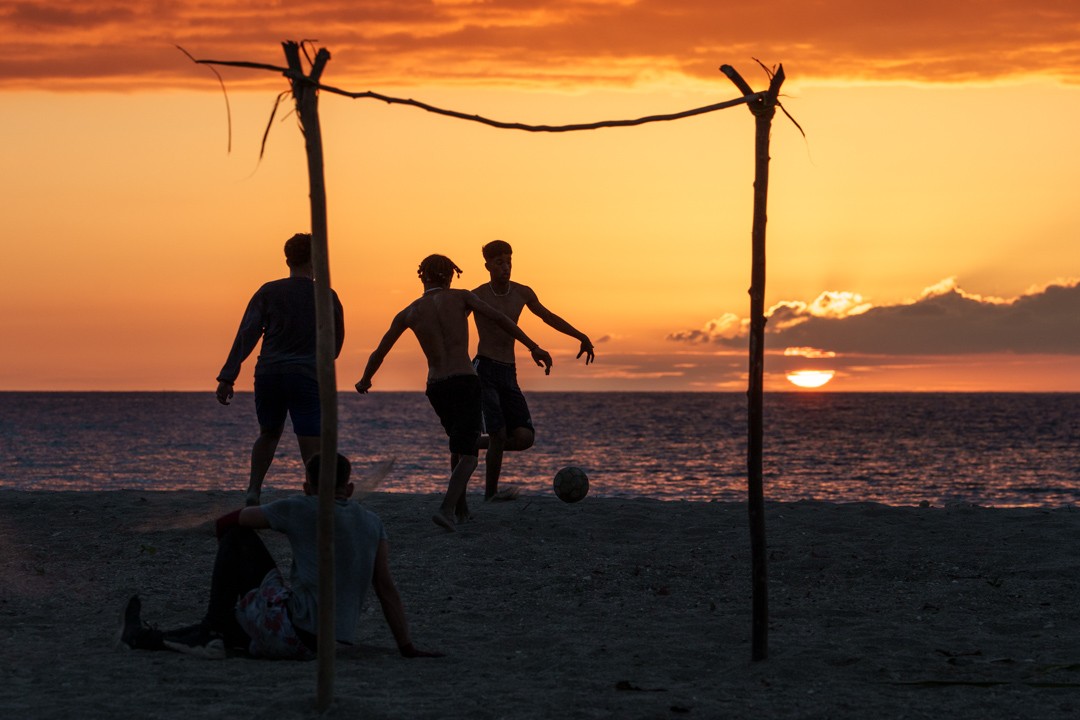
x=923, y=235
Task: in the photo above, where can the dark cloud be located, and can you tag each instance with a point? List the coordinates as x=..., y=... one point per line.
x=45, y=18
x=949, y=322
x=556, y=42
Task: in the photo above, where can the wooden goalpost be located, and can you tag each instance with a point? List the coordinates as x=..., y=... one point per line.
x=305, y=89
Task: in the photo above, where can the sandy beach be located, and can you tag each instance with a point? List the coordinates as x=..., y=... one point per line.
x=603, y=609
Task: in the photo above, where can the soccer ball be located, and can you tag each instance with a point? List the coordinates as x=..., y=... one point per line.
x=571, y=484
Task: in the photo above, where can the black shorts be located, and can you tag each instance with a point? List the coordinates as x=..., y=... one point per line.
x=504, y=405
x=456, y=400
x=292, y=394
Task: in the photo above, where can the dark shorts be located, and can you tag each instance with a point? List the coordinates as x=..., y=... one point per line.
x=504, y=405
x=289, y=394
x=456, y=400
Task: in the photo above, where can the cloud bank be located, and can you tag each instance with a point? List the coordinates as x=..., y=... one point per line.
x=944, y=320
x=110, y=44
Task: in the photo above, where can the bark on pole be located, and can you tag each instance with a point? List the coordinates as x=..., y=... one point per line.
x=763, y=109
x=306, y=95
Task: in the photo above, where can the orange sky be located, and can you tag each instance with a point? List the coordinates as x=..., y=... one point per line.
x=922, y=236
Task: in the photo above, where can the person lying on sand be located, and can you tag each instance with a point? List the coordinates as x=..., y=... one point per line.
x=252, y=609
x=439, y=319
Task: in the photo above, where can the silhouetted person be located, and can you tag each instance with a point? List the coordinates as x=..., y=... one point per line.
x=282, y=313
x=440, y=320
x=506, y=414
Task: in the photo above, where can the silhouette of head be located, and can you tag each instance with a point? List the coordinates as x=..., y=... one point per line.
x=341, y=477
x=437, y=269
x=495, y=248
x=298, y=250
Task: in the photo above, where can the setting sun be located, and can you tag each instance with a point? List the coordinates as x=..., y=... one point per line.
x=810, y=378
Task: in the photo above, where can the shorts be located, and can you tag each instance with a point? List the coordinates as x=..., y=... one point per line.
x=456, y=400
x=504, y=405
x=291, y=394
x=263, y=613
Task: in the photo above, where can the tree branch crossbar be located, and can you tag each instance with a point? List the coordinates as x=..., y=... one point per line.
x=293, y=76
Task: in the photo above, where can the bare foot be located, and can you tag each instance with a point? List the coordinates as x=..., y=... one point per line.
x=506, y=494
x=444, y=520
x=252, y=498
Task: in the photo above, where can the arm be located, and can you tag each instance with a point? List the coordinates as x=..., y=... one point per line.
x=397, y=327
x=339, y=326
x=533, y=303
x=392, y=607
x=247, y=337
x=249, y=517
x=540, y=356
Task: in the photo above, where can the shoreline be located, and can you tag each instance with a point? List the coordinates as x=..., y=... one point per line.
x=605, y=608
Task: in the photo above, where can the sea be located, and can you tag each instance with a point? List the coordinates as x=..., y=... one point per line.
x=989, y=449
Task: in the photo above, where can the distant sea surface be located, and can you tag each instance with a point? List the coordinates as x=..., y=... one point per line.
x=896, y=448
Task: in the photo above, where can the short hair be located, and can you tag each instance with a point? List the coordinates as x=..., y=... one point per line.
x=495, y=248
x=437, y=269
x=344, y=470
x=298, y=250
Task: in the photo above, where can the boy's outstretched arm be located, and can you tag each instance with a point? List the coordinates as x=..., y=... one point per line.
x=540, y=356
x=537, y=308
x=392, y=607
x=397, y=327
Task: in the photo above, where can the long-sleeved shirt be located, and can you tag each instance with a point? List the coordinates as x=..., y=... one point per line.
x=282, y=313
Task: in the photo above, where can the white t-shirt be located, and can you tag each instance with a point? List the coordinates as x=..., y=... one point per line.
x=357, y=532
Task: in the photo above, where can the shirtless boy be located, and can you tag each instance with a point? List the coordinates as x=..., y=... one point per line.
x=506, y=414
x=439, y=319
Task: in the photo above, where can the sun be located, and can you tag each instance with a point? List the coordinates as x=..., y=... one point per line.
x=810, y=378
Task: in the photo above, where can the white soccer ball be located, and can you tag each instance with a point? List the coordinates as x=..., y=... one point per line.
x=571, y=484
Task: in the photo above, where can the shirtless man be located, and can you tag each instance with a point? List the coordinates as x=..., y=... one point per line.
x=506, y=414
x=440, y=320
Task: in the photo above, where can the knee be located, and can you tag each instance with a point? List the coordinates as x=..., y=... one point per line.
x=236, y=539
x=269, y=434
x=523, y=439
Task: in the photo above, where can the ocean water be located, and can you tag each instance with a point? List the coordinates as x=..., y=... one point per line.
x=898, y=448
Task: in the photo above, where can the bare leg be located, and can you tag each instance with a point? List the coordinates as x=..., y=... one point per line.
x=455, y=491
x=309, y=446
x=493, y=463
x=519, y=439
x=262, y=455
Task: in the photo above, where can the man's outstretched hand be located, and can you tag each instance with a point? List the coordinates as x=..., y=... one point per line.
x=224, y=392
x=588, y=351
x=542, y=358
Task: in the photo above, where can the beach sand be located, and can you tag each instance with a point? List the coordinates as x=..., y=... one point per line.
x=609, y=608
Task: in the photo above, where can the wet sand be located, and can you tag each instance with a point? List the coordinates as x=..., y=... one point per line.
x=603, y=609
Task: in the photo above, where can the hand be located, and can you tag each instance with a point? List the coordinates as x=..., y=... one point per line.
x=363, y=386
x=224, y=392
x=587, y=351
x=410, y=651
x=542, y=358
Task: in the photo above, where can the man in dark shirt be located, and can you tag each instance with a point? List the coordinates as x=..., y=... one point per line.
x=282, y=314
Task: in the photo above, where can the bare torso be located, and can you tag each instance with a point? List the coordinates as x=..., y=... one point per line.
x=494, y=342
x=439, y=319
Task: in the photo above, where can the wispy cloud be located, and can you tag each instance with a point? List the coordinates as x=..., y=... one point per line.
x=84, y=44
x=943, y=320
